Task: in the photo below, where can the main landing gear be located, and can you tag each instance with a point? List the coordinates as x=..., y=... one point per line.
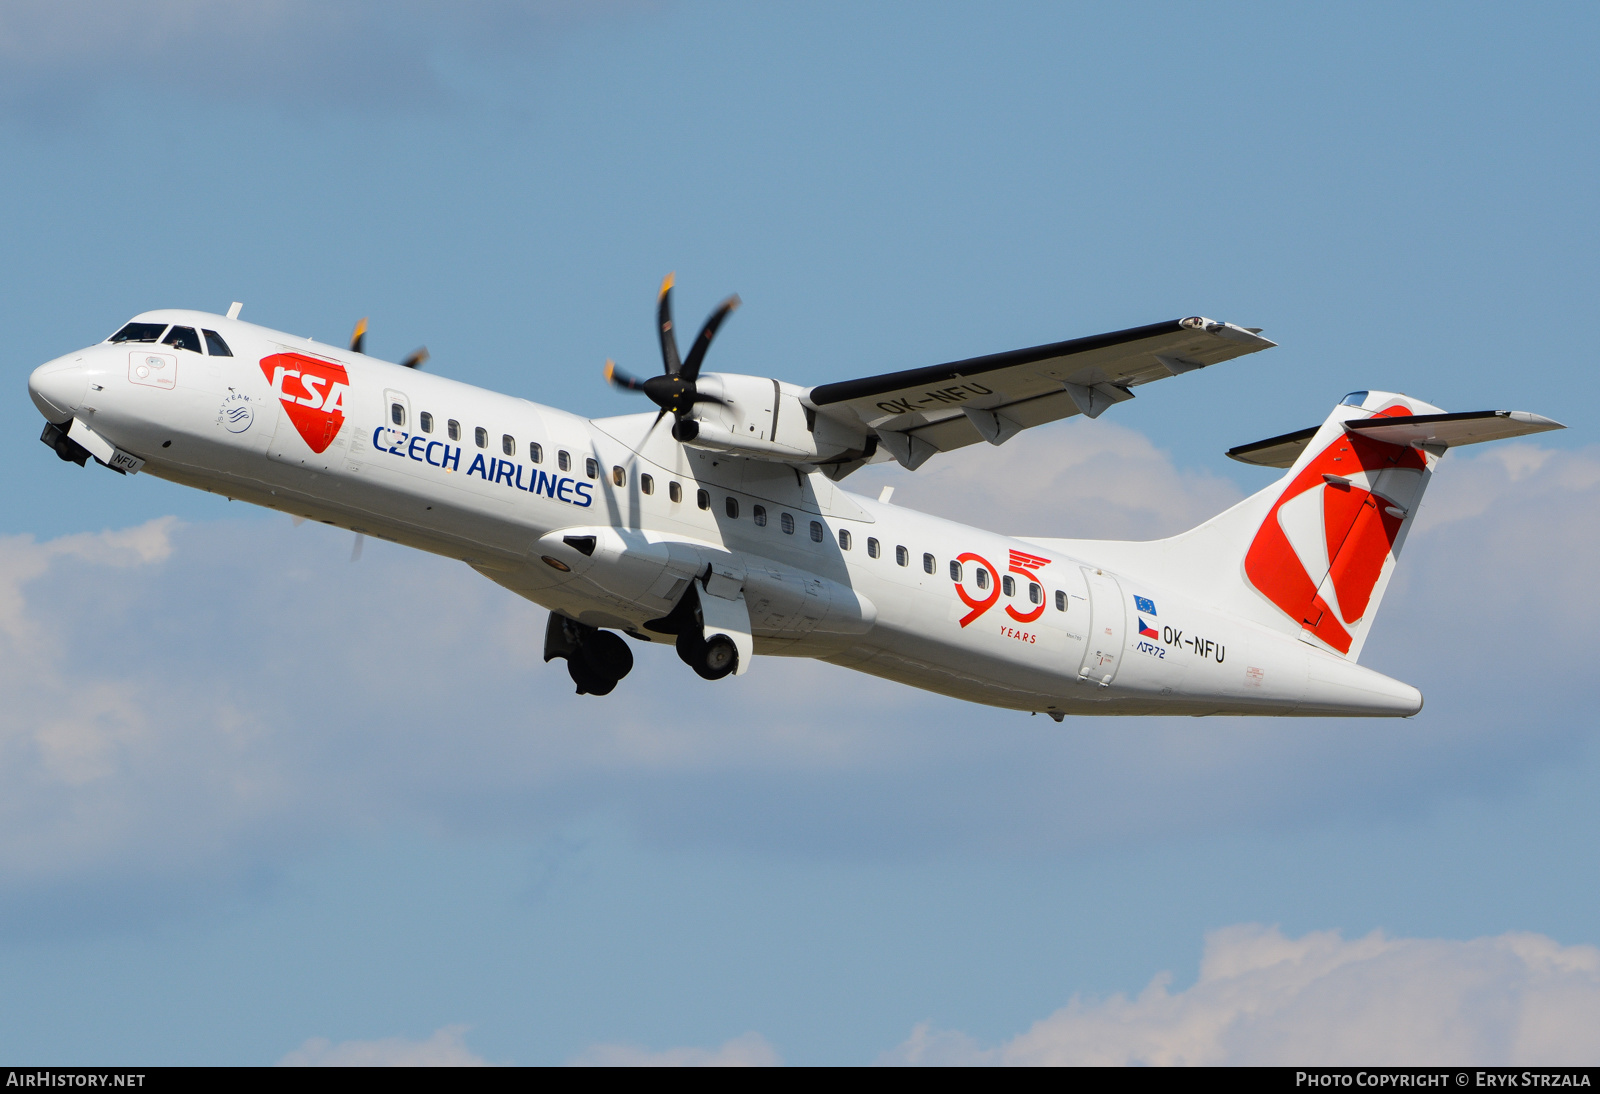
x=596, y=659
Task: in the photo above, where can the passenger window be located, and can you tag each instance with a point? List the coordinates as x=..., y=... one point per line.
x=535, y=452
x=480, y=436
x=759, y=515
x=1035, y=593
x=1061, y=600
x=928, y=564
x=508, y=444
x=139, y=332
x=647, y=484
x=563, y=461
x=183, y=338
x=426, y=421
x=844, y=539
x=397, y=413
x=619, y=477
x=786, y=523
x=1008, y=585
x=955, y=571
x=731, y=507
x=215, y=345
x=816, y=531
x=901, y=556
x=591, y=468
x=981, y=575
x=872, y=547
x=674, y=491
x=453, y=428
x=702, y=498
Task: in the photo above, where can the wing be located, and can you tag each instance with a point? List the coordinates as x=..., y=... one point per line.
x=921, y=411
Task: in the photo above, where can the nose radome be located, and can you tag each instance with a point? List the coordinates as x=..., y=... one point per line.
x=57, y=388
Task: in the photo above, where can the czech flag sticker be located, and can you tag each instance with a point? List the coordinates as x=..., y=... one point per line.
x=1146, y=630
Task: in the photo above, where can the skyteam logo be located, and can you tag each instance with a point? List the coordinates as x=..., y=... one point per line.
x=237, y=412
x=981, y=572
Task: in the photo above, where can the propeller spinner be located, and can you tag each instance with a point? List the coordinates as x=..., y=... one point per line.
x=675, y=391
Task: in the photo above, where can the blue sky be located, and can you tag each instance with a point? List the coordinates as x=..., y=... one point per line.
x=261, y=801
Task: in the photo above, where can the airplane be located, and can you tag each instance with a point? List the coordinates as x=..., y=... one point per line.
x=727, y=533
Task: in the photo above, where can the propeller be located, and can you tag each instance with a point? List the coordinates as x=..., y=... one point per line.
x=675, y=391
x=358, y=342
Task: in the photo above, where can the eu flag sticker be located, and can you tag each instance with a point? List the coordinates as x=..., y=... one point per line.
x=1145, y=605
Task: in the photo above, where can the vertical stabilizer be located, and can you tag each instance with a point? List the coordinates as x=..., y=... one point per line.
x=1325, y=549
x=1311, y=555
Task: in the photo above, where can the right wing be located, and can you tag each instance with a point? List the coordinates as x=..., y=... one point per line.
x=921, y=411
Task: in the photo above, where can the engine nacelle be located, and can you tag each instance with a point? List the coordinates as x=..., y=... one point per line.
x=768, y=419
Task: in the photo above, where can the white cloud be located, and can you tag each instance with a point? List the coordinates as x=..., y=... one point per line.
x=1079, y=478
x=751, y=1050
x=446, y=1048
x=1321, y=1000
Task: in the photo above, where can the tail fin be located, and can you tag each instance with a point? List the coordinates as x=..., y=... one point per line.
x=1312, y=554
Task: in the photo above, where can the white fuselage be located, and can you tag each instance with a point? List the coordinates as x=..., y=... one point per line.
x=1039, y=630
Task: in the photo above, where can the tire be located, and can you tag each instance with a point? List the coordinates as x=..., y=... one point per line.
x=589, y=682
x=719, y=657
x=606, y=654
x=691, y=649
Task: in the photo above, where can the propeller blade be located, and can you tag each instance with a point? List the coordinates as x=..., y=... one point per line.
x=669, y=341
x=358, y=339
x=697, y=352
x=617, y=378
x=416, y=359
x=355, y=549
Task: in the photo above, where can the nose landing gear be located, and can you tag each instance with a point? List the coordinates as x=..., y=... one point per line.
x=596, y=659
x=68, y=449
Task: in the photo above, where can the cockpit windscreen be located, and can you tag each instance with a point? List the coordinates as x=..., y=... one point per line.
x=139, y=332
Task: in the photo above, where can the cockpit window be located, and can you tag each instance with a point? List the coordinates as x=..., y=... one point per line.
x=183, y=338
x=139, y=332
x=215, y=345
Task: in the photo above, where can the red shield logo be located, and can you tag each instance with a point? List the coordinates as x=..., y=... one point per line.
x=312, y=392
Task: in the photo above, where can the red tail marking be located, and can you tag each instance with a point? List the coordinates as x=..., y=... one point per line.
x=1358, y=533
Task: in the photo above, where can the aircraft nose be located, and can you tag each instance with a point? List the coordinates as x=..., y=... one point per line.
x=57, y=389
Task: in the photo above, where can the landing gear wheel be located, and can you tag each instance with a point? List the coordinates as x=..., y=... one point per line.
x=691, y=648
x=606, y=655
x=710, y=660
x=589, y=682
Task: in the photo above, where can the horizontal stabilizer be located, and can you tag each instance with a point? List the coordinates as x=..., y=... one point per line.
x=1275, y=451
x=1454, y=429
x=1449, y=430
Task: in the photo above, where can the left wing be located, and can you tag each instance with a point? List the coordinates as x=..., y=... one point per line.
x=921, y=411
